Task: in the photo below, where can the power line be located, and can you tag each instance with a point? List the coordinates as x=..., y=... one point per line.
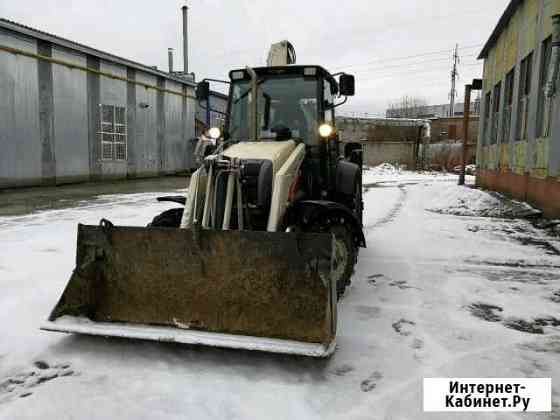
x=410, y=64
x=388, y=60
x=439, y=69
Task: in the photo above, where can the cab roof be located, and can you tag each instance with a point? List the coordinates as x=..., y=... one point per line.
x=287, y=70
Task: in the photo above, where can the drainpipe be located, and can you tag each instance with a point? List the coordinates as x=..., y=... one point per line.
x=552, y=80
x=475, y=85
x=466, y=121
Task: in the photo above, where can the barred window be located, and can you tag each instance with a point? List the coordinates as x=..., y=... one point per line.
x=487, y=114
x=113, y=132
x=508, y=107
x=545, y=108
x=496, y=100
x=524, y=95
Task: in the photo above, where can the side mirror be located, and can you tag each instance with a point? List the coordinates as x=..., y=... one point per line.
x=203, y=91
x=347, y=85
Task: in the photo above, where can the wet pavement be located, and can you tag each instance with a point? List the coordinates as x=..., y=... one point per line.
x=20, y=201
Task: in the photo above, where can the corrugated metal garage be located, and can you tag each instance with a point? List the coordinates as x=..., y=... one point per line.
x=70, y=113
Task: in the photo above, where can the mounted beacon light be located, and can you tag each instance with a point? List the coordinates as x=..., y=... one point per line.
x=310, y=71
x=214, y=133
x=238, y=75
x=326, y=130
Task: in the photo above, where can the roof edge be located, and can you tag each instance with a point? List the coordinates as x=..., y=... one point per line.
x=502, y=23
x=63, y=42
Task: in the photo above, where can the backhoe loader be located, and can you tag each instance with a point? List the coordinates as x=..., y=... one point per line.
x=263, y=245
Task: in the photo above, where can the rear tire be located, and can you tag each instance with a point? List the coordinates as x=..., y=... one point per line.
x=170, y=218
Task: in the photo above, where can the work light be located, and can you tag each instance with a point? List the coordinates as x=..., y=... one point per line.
x=325, y=130
x=214, y=133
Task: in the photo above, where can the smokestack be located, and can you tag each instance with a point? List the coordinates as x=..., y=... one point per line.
x=185, y=39
x=170, y=58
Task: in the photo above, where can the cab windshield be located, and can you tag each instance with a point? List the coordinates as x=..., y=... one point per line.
x=287, y=109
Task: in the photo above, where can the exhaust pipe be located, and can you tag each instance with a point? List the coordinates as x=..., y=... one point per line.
x=170, y=59
x=254, y=104
x=185, y=10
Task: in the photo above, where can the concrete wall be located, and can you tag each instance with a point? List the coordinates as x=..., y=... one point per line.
x=376, y=153
x=50, y=116
x=442, y=129
x=377, y=129
x=382, y=140
x=526, y=168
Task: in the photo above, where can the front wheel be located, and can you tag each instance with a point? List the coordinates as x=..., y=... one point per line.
x=170, y=218
x=345, y=255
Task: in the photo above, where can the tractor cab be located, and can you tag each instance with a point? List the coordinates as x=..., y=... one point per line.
x=292, y=102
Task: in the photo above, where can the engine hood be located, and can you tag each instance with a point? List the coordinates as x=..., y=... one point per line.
x=275, y=151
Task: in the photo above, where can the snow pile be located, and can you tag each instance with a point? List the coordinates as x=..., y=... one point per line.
x=388, y=173
x=466, y=201
x=384, y=169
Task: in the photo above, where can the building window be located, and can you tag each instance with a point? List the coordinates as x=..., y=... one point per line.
x=524, y=98
x=508, y=107
x=487, y=113
x=113, y=132
x=496, y=112
x=544, y=110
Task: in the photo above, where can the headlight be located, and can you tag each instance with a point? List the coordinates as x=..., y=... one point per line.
x=325, y=130
x=214, y=133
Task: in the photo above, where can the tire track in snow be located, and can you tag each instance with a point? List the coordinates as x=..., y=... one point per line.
x=393, y=213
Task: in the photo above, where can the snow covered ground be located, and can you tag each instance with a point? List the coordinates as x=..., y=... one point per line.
x=434, y=295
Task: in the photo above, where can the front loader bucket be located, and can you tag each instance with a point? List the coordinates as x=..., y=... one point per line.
x=237, y=289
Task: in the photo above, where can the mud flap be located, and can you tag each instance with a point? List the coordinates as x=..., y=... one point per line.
x=243, y=289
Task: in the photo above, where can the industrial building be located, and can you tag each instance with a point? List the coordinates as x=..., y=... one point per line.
x=519, y=138
x=70, y=113
x=432, y=111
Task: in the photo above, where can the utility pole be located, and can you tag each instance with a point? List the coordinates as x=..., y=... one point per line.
x=454, y=74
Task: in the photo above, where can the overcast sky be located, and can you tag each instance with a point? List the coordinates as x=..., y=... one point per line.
x=395, y=48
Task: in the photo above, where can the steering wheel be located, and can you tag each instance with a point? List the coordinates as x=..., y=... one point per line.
x=282, y=132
